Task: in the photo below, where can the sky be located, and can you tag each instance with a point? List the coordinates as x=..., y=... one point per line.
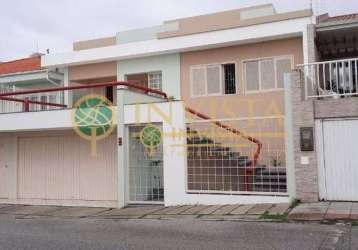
x=29, y=26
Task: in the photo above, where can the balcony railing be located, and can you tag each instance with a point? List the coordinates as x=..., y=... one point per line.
x=34, y=101
x=27, y=100
x=330, y=79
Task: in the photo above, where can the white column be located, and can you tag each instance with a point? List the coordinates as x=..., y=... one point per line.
x=122, y=152
x=66, y=83
x=305, y=45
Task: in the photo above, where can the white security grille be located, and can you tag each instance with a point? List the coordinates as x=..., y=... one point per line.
x=221, y=162
x=145, y=169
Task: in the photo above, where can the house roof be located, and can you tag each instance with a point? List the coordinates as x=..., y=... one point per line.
x=325, y=18
x=21, y=65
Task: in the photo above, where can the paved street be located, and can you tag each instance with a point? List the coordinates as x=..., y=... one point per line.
x=86, y=233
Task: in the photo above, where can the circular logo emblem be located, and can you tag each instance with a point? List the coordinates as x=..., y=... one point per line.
x=93, y=118
x=151, y=136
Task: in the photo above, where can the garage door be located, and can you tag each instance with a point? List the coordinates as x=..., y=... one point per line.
x=61, y=168
x=3, y=168
x=339, y=175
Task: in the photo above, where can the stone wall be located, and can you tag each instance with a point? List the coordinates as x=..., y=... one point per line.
x=303, y=116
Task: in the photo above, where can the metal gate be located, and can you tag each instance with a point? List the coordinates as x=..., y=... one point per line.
x=145, y=165
x=338, y=145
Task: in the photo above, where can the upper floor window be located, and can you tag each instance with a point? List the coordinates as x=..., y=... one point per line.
x=266, y=74
x=213, y=79
x=151, y=80
x=155, y=80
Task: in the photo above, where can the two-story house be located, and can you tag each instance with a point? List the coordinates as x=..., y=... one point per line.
x=213, y=85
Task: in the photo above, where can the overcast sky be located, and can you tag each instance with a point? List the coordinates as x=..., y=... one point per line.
x=27, y=26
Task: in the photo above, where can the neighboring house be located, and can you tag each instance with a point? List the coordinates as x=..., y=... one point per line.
x=224, y=134
x=27, y=74
x=325, y=100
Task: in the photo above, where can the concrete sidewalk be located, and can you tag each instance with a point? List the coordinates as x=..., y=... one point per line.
x=336, y=211
x=219, y=212
x=332, y=211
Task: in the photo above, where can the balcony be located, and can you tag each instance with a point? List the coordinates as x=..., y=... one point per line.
x=330, y=79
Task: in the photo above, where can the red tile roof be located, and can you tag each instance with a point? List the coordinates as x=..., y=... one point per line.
x=22, y=65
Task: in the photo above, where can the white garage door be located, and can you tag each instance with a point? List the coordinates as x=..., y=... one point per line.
x=61, y=168
x=3, y=174
x=339, y=164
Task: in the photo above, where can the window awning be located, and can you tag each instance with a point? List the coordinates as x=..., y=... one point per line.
x=32, y=78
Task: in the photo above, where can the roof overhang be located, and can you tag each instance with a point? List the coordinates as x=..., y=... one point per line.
x=236, y=36
x=333, y=26
x=39, y=77
x=337, y=39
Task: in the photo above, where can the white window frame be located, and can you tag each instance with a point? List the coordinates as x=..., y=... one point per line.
x=161, y=79
x=220, y=77
x=274, y=58
x=205, y=67
x=192, y=68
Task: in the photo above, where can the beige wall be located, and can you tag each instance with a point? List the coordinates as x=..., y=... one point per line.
x=228, y=20
x=240, y=104
x=91, y=74
x=247, y=111
x=95, y=43
x=93, y=71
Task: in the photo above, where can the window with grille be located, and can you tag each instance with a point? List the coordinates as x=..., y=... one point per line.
x=151, y=80
x=229, y=78
x=266, y=74
x=155, y=80
x=213, y=79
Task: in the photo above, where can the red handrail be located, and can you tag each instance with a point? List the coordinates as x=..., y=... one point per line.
x=87, y=86
x=234, y=131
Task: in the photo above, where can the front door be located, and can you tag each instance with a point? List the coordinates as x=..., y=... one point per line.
x=3, y=170
x=145, y=164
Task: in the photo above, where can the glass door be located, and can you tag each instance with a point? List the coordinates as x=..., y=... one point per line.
x=145, y=164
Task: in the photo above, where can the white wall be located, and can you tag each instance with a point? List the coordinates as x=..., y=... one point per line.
x=207, y=40
x=175, y=164
x=37, y=121
x=168, y=64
